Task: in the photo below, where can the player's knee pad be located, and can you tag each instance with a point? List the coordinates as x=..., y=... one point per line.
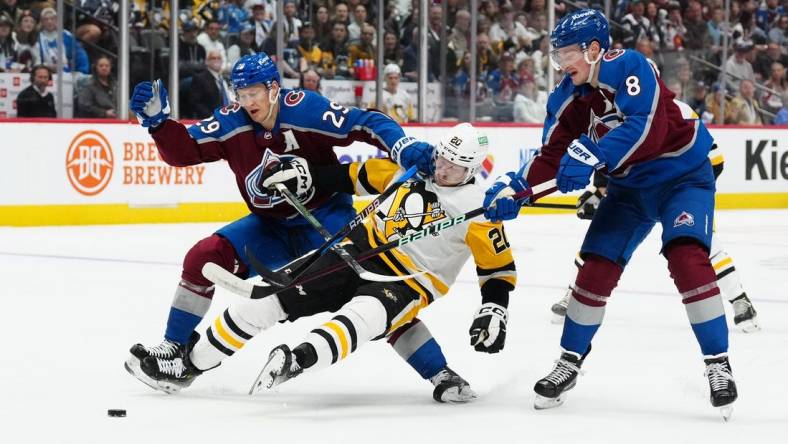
x=691, y=270
x=596, y=280
x=396, y=298
x=257, y=314
x=213, y=248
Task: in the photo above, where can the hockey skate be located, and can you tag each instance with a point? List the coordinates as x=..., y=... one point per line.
x=165, y=367
x=551, y=390
x=451, y=387
x=281, y=366
x=559, y=308
x=744, y=315
x=722, y=387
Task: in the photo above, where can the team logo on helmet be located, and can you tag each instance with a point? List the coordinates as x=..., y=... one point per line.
x=412, y=208
x=293, y=98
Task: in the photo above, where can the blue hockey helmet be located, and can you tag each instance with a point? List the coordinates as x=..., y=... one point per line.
x=581, y=27
x=253, y=69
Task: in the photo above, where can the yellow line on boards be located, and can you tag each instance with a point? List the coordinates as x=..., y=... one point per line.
x=100, y=214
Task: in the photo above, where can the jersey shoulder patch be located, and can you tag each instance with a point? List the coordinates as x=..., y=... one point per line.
x=293, y=98
x=613, y=54
x=225, y=122
x=310, y=111
x=614, y=72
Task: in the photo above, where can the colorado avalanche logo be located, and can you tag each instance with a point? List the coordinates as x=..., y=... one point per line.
x=684, y=219
x=259, y=196
x=411, y=208
x=612, y=55
x=602, y=121
x=293, y=98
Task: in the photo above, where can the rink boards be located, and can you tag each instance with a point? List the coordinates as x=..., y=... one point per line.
x=69, y=173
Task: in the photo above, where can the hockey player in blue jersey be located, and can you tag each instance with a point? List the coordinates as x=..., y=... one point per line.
x=611, y=113
x=270, y=131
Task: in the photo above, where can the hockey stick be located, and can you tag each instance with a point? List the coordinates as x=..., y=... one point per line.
x=286, y=277
x=341, y=252
x=225, y=279
x=556, y=206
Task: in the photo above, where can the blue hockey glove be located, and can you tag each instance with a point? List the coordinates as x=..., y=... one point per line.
x=498, y=199
x=408, y=152
x=581, y=159
x=149, y=102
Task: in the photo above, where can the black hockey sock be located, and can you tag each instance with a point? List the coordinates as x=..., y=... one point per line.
x=305, y=355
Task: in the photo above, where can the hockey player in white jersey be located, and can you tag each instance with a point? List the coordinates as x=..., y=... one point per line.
x=365, y=310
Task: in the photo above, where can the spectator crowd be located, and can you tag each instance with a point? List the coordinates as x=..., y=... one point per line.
x=334, y=39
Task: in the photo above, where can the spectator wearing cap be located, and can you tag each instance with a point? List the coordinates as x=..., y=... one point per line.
x=698, y=99
x=335, y=52
x=244, y=46
x=530, y=104
x=191, y=55
x=76, y=59
x=209, y=89
x=35, y=100
x=772, y=101
x=8, y=46
x=672, y=28
x=397, y=104
x=233, y=15
x=310, y=52
x=749, y=110
x=211, y=41
x=98, y=98
x=365, y=47
x=262, y=25
x=357, y=24
x=503, y=82
x=738, y=66
x=291, y=21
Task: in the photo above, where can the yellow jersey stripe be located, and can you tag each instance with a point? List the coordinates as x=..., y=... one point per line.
x=340, y=334
x=226, y=336
x=722, y=263
x=716, y=160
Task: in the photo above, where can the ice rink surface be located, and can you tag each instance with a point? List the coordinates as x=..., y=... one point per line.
x=75, y=299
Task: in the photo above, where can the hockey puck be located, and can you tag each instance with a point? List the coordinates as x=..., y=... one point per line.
x=116, y=413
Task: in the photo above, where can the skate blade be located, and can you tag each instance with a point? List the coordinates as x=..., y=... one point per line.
x=268, y=377
x=454, y=395
x=132, y=366
x=750, y=326
x=557, y=319
x=543, y=403
x=726, y=412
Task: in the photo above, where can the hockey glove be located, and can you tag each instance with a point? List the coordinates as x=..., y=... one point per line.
x=582, y=157
x=408, y=152
x=488, y=330
x=149, y=102
x=293, y=173
x=588, y=202
x=498, y=199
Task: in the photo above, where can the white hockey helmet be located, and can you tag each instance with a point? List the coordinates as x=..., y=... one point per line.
x=465, y=146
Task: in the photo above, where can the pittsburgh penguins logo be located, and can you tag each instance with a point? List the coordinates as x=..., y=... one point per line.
x=412, y=208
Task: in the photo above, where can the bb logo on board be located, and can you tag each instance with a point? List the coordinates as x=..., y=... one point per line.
x=89, y=163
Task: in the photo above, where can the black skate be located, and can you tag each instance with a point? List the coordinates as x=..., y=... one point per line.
x=744, y=315
x=722, y=387
x=281, y=366
x=451, y=387
x=550, y=390
x=559, y=308
x=166, y=367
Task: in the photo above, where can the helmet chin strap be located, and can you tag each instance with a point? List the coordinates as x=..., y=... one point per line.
x=272, y=100
x=593, y=64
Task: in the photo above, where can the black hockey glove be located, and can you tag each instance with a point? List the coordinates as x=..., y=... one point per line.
x=488, y=330
x=292, y=173
x=588, y=202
